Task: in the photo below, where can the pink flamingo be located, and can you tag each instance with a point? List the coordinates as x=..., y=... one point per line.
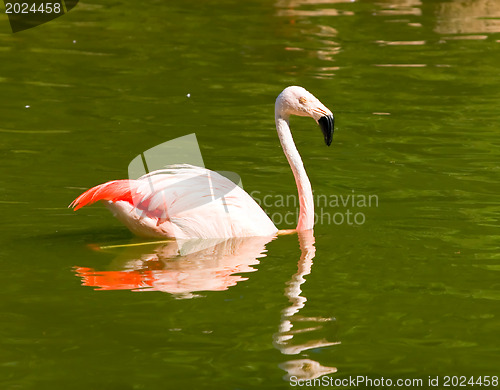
x=172, y=202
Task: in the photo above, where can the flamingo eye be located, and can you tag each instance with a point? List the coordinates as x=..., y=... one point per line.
x=302, y=100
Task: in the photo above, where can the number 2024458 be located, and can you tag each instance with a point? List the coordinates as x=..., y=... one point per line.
x=33, y=8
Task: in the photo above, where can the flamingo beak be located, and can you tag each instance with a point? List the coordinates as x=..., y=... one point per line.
x=326, y=123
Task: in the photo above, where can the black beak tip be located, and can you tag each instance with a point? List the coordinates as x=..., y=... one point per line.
x=326, y=123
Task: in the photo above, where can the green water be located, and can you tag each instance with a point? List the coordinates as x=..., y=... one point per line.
x=411, y=292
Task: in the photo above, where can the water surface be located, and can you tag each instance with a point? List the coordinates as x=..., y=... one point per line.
x=412, y=291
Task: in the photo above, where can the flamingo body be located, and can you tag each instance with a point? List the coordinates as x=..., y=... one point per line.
x=182, y=201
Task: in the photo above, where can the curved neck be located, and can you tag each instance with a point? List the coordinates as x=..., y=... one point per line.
x=306, y=213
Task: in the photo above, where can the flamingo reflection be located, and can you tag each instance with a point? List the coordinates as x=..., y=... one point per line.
x=183, y=268
x=180, y=267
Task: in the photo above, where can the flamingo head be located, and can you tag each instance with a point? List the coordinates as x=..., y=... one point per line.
x=298, y=101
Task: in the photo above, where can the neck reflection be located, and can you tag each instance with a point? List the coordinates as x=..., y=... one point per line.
x=289, y=327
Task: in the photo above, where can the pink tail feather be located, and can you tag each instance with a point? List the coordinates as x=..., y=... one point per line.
x=113, y=191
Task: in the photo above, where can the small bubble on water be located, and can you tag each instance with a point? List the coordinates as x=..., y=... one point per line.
x=188, y=95
x=27, y=106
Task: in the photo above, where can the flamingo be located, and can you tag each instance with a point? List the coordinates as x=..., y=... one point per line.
x=172, y=202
